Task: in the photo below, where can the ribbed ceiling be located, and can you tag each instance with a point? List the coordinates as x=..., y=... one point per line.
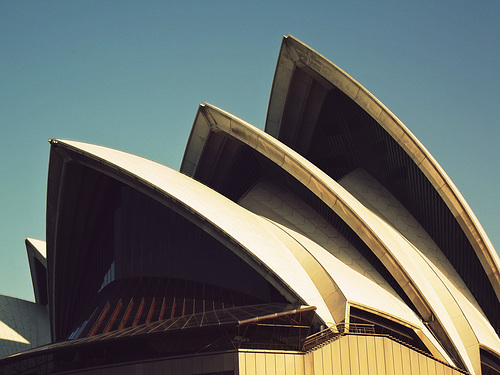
x=346, y=138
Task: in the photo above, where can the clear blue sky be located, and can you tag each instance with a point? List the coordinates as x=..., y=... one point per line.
x=130, y=75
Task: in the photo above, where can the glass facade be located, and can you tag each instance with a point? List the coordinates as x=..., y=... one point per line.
x=142, y=255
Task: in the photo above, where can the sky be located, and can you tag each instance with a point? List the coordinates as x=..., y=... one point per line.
x=130, y=75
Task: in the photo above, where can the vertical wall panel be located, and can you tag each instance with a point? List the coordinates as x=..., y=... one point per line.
x=289, y=365
x=228, y=361
x=138, y=369
x=299, y=364
x=147, y=366
x=207, y=364
x=167, y=368
x=436, y=368
x=372, y=355
x=415, y=367
x=439, y=369
x=260, y=363
x=242, y=363
x=218, y=363
x=157, y=368
x=308, y=364
x=422, y=362
x=344, y=357
x=337, y=366
x=176, y=367
x=189, y=365
x=379, y=351
x=271, y=364
x=318, y=361
x=362, y=355
x=405, y=358
x=398, y=361
x=431, y=367
x=327, y=359
x=389, y=355
x=353, y=355
x=250, y=364
x=280, y=363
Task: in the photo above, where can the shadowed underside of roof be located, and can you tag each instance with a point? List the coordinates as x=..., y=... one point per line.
x=103, y=188
x=37, y=259
x=334, y=122
x=223, y=163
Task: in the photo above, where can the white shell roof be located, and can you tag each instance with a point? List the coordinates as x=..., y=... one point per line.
x=361, y=292
x=39, y=245
x=406, y=264
x=251, y=232
x=23, y=325
x=294, y=52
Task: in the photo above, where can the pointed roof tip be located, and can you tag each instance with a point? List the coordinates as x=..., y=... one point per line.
x=209, y=105
x=291, y=38
x=39, y=245
x=33, y=240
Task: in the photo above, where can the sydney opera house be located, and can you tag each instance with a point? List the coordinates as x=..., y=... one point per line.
x=330, y=243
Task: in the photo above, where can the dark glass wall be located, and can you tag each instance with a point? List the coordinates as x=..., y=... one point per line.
x=110, y=231
x=153, y=240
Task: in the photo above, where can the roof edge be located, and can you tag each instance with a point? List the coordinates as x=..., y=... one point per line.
x=296, y=52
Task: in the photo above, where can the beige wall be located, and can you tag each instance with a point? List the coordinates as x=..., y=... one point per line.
x=349, y=355
x=269, y=363
x=367, y=355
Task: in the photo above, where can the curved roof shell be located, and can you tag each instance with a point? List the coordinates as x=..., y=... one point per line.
x=37, y=259
x=345, y=164
x=23, y=325
x=246, y=234
x=432, y=295
x=302, y=79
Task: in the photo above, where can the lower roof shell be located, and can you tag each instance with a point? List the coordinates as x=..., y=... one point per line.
x=250, y=236
x=399, y=256
x=296, y=55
